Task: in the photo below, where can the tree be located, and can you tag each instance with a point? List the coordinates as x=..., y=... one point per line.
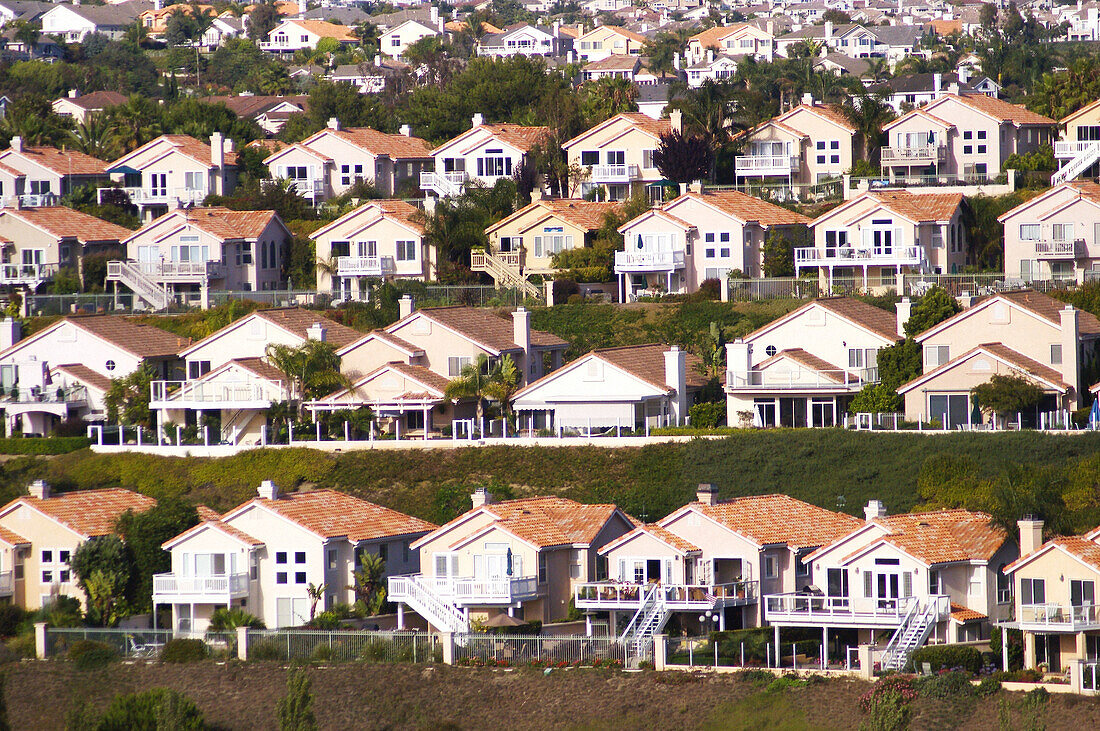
x=370, y=582
x=144, y=533
x=262, y=20
x=1005, y=395
x=899, y=363
x=27, y=32
x=295, y=710
x=312, y=368
x=503, y=384
x=934, y=306
x=1030, y=491
x=178, y=30
x=876, y=398
x=708, y=112
x=683, y=158
x=778, y=255
x=868, y=111
x=127, y=399
x=482, y=380
x=224, y=619
x=603, y=98
x=951, y=481
x=316, y=594
x=103, y=568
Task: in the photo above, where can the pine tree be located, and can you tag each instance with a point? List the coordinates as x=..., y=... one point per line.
x=296, y=707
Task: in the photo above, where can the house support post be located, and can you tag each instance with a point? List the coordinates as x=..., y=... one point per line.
x=400, y=615
x=448, y=640
x=778, y=657
x=1004, y=649
x=40, y=640
x=427, y=409
x=824, y=646
x=660, y=650
x=242, y=643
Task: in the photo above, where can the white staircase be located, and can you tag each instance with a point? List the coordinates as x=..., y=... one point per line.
x=914, y=629
x=1079, y=164
x=440, y=613
x=503, y=274
x=130, y=274
x=646, y=622
x=442, y=184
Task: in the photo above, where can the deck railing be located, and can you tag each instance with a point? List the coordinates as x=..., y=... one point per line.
x=1055, y=615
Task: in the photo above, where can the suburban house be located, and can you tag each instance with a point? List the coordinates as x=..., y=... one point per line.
x=1055, y=235
x=1078, y=150
x=265, y=555
x=331, y=162
x=229, y=382
x=40, y=531
x=1053, y=588
x=270, y=112
x=525, y=242
x=915, y=90
x=812, y=143
x=73, y=22
x=892, y=42
x=1021, y=333
x=905, y=579
x=803, y=368
x=712, y=68
x=482, y=155
x=967, y=136
x=521, y=557
x=63, y=371
x=617, y=155
x=38, y=176
x=631, y=387
x=294, y=34
x=698, y=236
x=188, y=251
x=709, y=563
x=155, y=19
x=524, y=39
x=401, y=371
x=738, y=40
x=867, y=242
x=368, y=77
x=379, y=240
x=396, y=40
x=607, y=40
x=79, y=107
x=175, y=170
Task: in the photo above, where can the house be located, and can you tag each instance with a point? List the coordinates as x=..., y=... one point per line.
x=379, y=240
x=812, y=143
x=1055, y=235
x=155, y=19
x=614, y=67
x=804, y=368
x=524, y=39
x=870, y=240
x=1078, y=150
x=910, y=579
x=185, y=253
x=617, y=154
x=63, y=371
x=892, y=42
x=632, y=387
x=520, y=557
x=842, y=65
x=228, y=376
x=710, y=561
x=40, y=531
x=79, y=106
x=174, y=170
x=1023, y=333
x=1053, y=589
x=698, y=236
x=38, y=242
x=607, y=40
x=331, y=162
x=72, y=23
x=37, y=176
x=967, y=136
x=525, y=243
x=481, y=155
x=740, y=39
x=294, y=34
x=722, y=67
x=270, y=112
x=396, y=40
x=368, y=78
x=653, y=98
x=915, y=90
x=265, y=555
x=401, y=371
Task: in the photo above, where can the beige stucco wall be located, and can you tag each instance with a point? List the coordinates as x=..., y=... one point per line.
x=248, y=340
x=386, y=232
x=527, y=227
x=1062, y=206
x=44, y=533
x=26, y=237
x=439, y=344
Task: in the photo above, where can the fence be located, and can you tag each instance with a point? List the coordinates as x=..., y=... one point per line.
x=344, y=646
x=788, y=192
x=801, y=655
x=748, y=290
x=145, y=643
x=544, y=651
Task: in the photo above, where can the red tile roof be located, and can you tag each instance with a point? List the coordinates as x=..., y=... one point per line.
x=332, y=514
x=811, y=361
x=944, y=536
x=663, y=534
x=648, y=363
x=144, y=341
x=223, y=223
x=875, y=319
x=65, y=162
x=780, y=519
x=67, y=223
x=85, y=375
x=920, y=207
x=484, y=327
x=520, y=137
x=397, y=147
x=97, y=100
x=195, y=149
x=12, y=538
x=551, y=521
x=298, y=321
x=999, y=108
x=89, y=512
x=749, y=208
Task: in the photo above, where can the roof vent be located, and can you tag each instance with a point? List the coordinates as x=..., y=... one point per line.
x=39, y=489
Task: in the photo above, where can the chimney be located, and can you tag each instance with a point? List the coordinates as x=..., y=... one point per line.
x=828, y=30
x=268, y=490
x=676, y=120
x=953, y=88
x=676, y=379
x=964, y=74
x=158, y=5
x=378, y=59
x=434, y=13
x=16, y=145
x=334, y=123
x=739, y=358
x=1071, y=335
x=477, y=120
x=74, y=93
x=676, y=61
x=316, y=331
x=406, y=130
x=905, y=309
x=874, y=509
x=404, y=306
x=1031, y=534
x=937, y=82
x=808, y=99
x=480, y=497
x=39, y=489
x=706, y=493
x=536, y=194
x=521, y=331
x=11, y=331
x=217, y=150
x=710, y=55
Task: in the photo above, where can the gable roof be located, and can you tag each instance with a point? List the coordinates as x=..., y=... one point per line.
x=1080, y=547
x=96, y=100
x=1002, y=110
x=656, y=531
x=481, y=326
x=778, y=520
x=1038, y=304
x=298, y=321
x=588, y=215
x=917, y=207
x=259, y=367
x=871, y=318
x=324, y=29
x=1005, y=354
x=197, y=150
x=391, y=208
x=647, y=362
x=68, y=223
x=218, y=221
x=745, y=207
x=435, y=383
x=520, y=137
x=832, y=112
x=142, y=341
x=85, y=375
x=804, y=358
x=548, y=521
x=64, y=162
x=942, y=536
x=643, y=122
x=87, y=512
x=387, y=337
x=214, y=524
x=332, y=514
x=396, y=146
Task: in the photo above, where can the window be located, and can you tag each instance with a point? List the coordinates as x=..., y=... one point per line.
x=647, y=159
x=332, y=560
x=244, y=253
x=1081, y=593
x=834, y=239
x=1004, y=586
x=981, y=134
x=837, y=582
x=968, y=135
x=1056, y=355
x=494, y=166
x=934, y=585
x=1033, y=591
x=280, y=557
x=194, y=181
x=968, y=149
x=801, y=567
x=384, y=549
x=1062, y=231
x=348, y=173
x=981, y=149
x=935, y=356
x=280, y=577
x=542, y=567
x=406, y=251
x=771, y=567
x=455, y=364
x=299, y=577
x=299, y=557
x=110, y=365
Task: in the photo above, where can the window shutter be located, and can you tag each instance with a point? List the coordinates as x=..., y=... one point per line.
x=907, y=585
x=868, y=588
x=622, y=569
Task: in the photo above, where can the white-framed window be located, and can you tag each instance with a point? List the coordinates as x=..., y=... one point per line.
x=350, y=173
x=194, y=181
x=771, y=567
x=406, y=250
x=1056, y=354
x=1004, y=586
x=935, y=356
x=456, y=363
x=1062, y=231
x=55, y=565
x=291, y=611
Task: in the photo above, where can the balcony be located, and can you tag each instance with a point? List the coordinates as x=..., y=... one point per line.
x=764, y=165
x=847, y=256
x=158, y=196
x=664, y=260
x=35, y=395
x=475, y=591
x=615, y=173
x=27, y=275
x=1058, y=618
x=444, y=184
x=614, y=595
x=800, y=379
x=795, y=609
x=181, y=271
x=1070, y=150
x=924, y=155
x=364, y=266
x=246, y=393
x=218, y=589
x=1054, y=249
x=29, y=200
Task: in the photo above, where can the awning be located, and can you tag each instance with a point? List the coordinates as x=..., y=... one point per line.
x=124, y=169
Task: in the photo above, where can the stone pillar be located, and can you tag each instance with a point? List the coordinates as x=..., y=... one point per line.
x=40, y=640
x=866, y=654
x=448, y=640
x=549, y=285
x=660, y=651
x=1029, y=650
x=242, y=643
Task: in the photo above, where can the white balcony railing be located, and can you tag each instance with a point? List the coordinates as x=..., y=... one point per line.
x=364, y=266
x=246, y=391
x=472, y=590
x=646, y=261
x=1057, y=249
x=1069, y=150
x=766, y=164
x=226, y=585
x=800, y=378
x=29, y=274
x=1059, y=616
x=851, y=256
x=843, y=611
x=444, y=184
x=29, y=200
x=159, y=196
x=615, y=173
x=178, y=270
x=47, y=395
x=913, y=155
x=612, y=595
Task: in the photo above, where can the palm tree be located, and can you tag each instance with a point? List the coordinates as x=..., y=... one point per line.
x=135, y=122
x=868, y=111
x=480, y=381
x=95, y=136
x=708, y=110
x=312, y=368
x=201, y=20
x=369, y=582
x=503, y=384
x=316, y=594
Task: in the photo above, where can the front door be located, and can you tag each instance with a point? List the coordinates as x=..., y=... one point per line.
x=158, y=185
x=887, y=590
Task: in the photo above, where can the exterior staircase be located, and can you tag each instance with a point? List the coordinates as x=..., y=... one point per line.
x=646, y=622
x=504, y=269
x=130, y=274
x=440, y=613
x=914, y=629
x=1079, y=164
x=442, y=184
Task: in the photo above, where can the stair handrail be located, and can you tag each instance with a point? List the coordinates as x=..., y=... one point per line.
x=445, y=611
x=1077, y=165
x=895, y=639
x=511, y=275
x=647, y=599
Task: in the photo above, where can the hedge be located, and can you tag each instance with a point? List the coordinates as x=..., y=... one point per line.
x=43, y=445
x=949, y=657
x=181, y=650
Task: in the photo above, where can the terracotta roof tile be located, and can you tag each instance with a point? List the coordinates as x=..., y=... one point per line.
x=919, y=207
x=552, y=521
x=85, y=375
x=669, y=537
x=12, y=538
x=334, y=514
x=261, y=368
x=520, y=137
x=1050, y=309
x=195, y=149
x=811, y=361
x=90, y=512
x=583, y=214
x=959, y=613
x=655, y=127
x=325, y=29
x=65, y=162
x=750, y=208
x=485, y=327
x=207, y=514
x=944, y=536
x=1016, y=113
x=379, y=143
x=711, y=36
x=648, y=363
x=781, y=519
x=298, y=321
x=1026, y=364
x=97, y=100
x=873, y=318
x=223, y=223
x=65, y=223
x=144, y=341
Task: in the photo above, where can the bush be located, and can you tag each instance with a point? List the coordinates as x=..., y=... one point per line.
x=989, y=686
x=295, y=709
x=227, y=620
x=710, y=289
x=11, y=615
x=950, y=684
x=708, y=414
x=269, y=649
x=181, y=650
x=43, y=445
x=23, y=646
x=89, y=654
x=948, y=657
x=150, y=710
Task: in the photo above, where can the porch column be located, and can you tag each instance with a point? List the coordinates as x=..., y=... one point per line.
x=622, y=288
x=824, y=647
x=829, y=280
x=427, y=415
x=1004, y=649
x=722, y=620
x=588, y=624
x=778, y=657
x=668, y=280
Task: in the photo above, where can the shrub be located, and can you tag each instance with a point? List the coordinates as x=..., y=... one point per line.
x=887, y=711
x=949, y=684
x=269, y=649
x=989, y=686
x=949, y=657
x=707, y=414
x=710, y=289
x=11, y=615
x=23, y=646
x=227, y=620
x=296, y=707
x=181, y=650
x=90, y=654
x=150, y=710
x=177, y=712
x=43, y=445
x=899, y=685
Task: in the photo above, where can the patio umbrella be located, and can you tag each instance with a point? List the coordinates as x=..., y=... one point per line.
x=509, y=561
x=503, y=620
x=975, y=412
x=1094, y=414
x=757, y=419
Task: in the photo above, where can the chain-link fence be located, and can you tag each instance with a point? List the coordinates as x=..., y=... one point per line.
x=542, y=651
x=344, y=646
